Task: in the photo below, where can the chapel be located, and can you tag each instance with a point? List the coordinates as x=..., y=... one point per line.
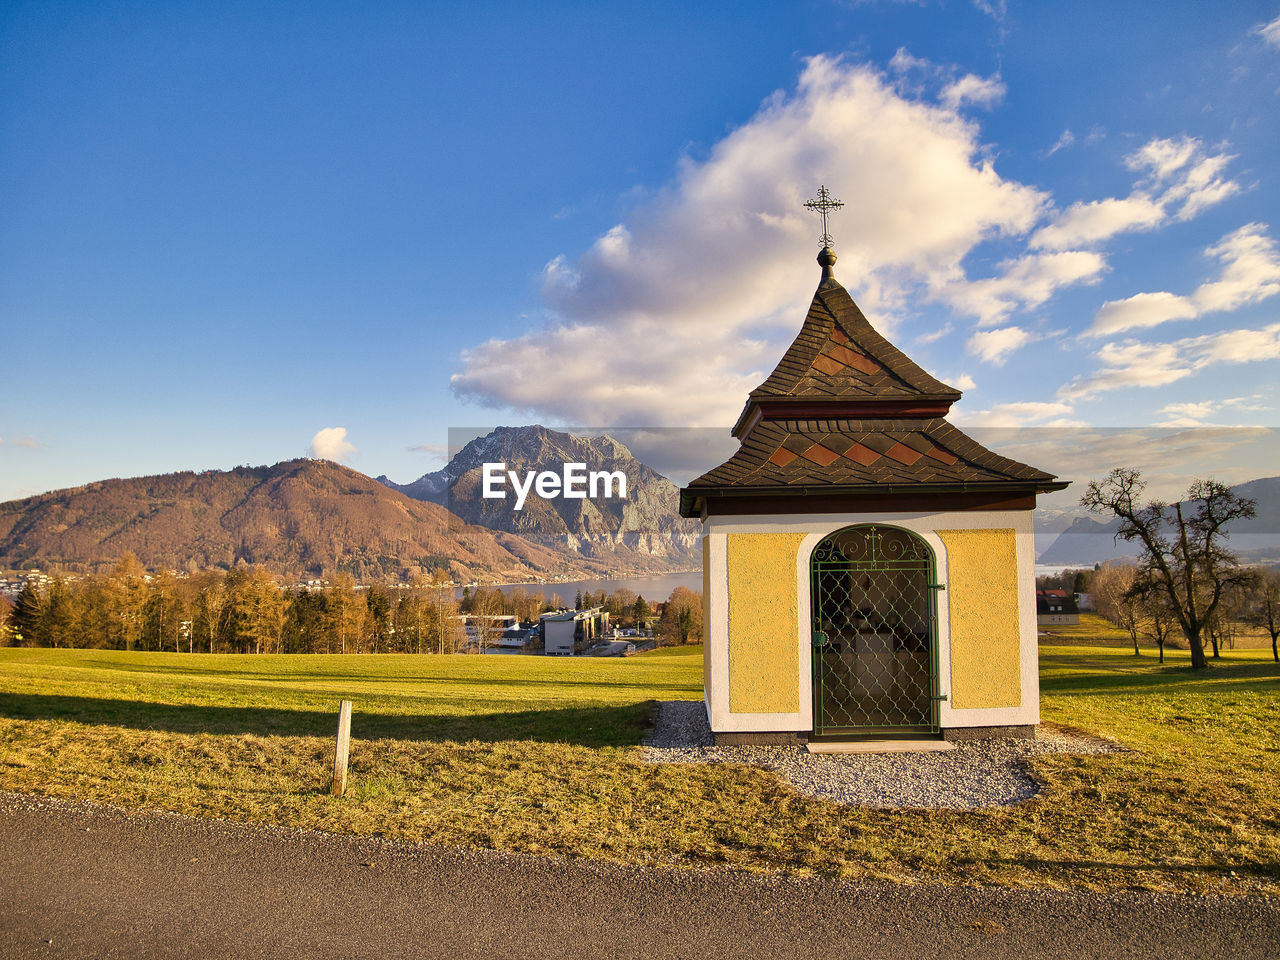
x=868, y=569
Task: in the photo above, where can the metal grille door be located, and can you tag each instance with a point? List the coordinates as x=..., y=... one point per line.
x=874, y=626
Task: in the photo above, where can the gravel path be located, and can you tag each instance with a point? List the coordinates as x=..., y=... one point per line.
x=977, y=773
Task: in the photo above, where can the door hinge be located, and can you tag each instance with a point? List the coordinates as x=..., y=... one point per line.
x=937, y=586
x=940, y=696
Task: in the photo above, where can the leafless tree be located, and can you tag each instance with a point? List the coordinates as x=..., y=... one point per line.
x=1184, y=557
x=1113, y=600
x=1157, y=619
x=1264, y=605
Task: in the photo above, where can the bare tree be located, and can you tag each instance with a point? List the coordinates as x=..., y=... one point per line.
x=345, y=609
x=1184, y=557
x=1226, y=619
x=1113, y=600
x=1264, y=605
x=486, y=608
x=129, y=591
x=524, y=605
x=1157, y=619
x=211, y=601
x=443, y=613
x=681, y=617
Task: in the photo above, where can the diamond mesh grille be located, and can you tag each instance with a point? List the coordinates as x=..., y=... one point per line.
x=873, y=632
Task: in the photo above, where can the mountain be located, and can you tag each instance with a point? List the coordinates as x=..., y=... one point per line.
x=643, y=531
x=301, y=517
x=1257, y=540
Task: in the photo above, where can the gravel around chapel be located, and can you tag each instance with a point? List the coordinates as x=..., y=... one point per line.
x=976, y=774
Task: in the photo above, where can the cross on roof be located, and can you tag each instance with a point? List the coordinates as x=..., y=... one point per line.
x=824, y=204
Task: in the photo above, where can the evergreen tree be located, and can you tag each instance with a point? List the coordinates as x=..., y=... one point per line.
x=59, y=614
x=6, y=621
x=641, y=612
x=377, y=617
x=28, y=616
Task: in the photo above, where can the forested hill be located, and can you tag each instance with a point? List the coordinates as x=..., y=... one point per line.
x=297, y=518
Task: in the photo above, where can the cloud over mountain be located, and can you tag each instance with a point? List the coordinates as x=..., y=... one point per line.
x=700, y=289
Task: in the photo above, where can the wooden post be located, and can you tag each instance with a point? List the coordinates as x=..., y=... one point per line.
x=342, y=749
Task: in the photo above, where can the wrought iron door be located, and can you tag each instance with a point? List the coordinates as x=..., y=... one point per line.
x=874, y=633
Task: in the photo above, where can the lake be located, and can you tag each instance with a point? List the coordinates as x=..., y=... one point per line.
x=655, y=588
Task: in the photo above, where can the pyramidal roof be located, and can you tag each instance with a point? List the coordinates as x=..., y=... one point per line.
x=845, y=412
x=838, y=356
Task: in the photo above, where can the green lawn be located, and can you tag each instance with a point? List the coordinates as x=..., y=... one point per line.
x=537, y=755
x=1092, y=629
x=592, y=702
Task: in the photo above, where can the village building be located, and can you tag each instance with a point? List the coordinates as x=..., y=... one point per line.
x=1054, y=607
x=569, y=633
x=868, y=569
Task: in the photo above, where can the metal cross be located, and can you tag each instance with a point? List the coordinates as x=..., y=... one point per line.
x=824, y=204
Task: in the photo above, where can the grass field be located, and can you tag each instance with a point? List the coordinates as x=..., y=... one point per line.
x=537, y=755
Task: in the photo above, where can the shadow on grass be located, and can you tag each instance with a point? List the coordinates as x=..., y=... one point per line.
x=613, y=681
x=583, y=726
x=1068, y=674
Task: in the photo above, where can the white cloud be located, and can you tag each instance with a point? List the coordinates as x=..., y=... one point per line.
x=1185, y=414
x=1096, y=220
x=1065, y=140
x=1022, y=414
x=1177, y=180
x=1197, y=414
x=438, y=451
x=915, y=76
x=701, y=289
x=1250, y=274
x=996, y=346
x=971, y=88
x=1134, y=364
x=995, y=9
x=1140, y=310
x=702, y=286
x=1024, y=283
x=1162, y=158
x=935, y=335
x=1251, y=271
x=331, y=444
x=1270, y=33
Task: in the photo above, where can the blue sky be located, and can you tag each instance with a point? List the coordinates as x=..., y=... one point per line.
x=240, y=233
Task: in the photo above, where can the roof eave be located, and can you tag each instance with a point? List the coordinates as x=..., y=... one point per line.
x=693, y=499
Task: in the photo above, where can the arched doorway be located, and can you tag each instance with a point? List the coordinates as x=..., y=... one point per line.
x=874, y=634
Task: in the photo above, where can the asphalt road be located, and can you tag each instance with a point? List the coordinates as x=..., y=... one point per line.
x=80, y=880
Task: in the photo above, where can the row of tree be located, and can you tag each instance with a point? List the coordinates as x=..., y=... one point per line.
x=247, y=610
x=1186, y=582
x=241, y=610
x=1120, y=595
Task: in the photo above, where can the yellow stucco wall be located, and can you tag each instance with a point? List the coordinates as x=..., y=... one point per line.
x=706, y=616
x=764, y=666
x=982, y=597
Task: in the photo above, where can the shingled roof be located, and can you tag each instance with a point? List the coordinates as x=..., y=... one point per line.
x=846, y=412
x=838, y=355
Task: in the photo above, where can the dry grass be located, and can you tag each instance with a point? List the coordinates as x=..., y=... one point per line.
x=1194, y=802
